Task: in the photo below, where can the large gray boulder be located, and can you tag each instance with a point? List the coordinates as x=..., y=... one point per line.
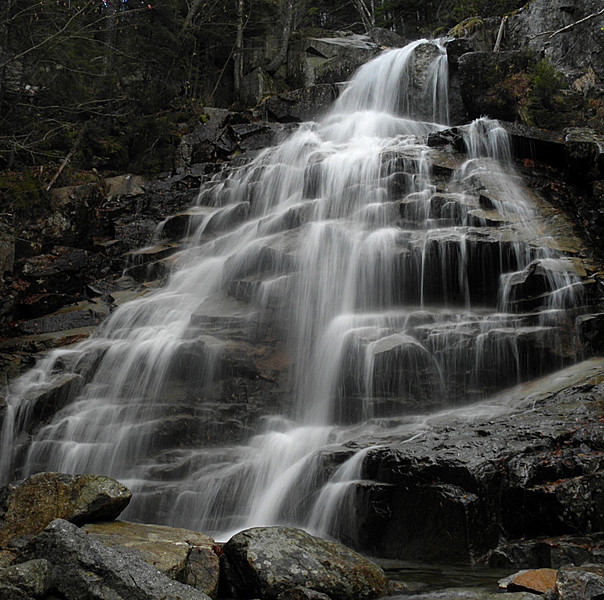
x=269, y=561
x=580, y=583
x=29, y=506
x=84, y=567
x=312, y=61
x=183, y=555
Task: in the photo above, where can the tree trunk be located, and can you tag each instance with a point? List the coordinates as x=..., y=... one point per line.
x=366, y=16
x=238, y=73
x=288, y=22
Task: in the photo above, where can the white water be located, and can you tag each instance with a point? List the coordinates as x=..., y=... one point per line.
x=378, y=318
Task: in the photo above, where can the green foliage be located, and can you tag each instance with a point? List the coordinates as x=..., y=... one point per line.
x=466, y=27
x=434, y=15
x=547, y=105
x=537, y=93
x=22, y=194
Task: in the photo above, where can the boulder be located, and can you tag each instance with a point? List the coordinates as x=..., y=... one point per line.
x=267, y=562
x=385, y=38
x=29, y=506
x=86, y=568
x=183, y=555
x=539, y=581
x=313, y=61
x=10, y=592
x=35, y=577
x=302, y=593
x=580, y=583
x=303, y=104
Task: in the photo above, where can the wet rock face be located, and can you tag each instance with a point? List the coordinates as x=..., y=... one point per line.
x=549, y=552
x=267, y=562
x=27, y=507
x=505, y=474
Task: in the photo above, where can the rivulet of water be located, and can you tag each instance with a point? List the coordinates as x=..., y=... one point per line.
x=392, y=281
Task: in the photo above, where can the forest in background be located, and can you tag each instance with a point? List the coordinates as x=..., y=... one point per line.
x=80, y=74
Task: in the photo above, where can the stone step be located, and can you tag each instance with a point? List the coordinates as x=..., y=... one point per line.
x=87, y=313
x=272, y=254
x=553, y=282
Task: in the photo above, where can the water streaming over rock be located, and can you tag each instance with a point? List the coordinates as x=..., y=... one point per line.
x=343, y=283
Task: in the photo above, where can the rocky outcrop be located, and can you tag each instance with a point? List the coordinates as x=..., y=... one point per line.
x=584, y=153
x=28, y=507
x=267, y=562
x=549, y=552
x=498, y=471
x=537, y=27
x=313, y=61
x=299, y=105
x=84, y=567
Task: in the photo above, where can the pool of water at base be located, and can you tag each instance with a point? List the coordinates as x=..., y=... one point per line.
x=418, y=578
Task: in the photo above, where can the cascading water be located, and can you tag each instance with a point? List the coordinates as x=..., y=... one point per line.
x=384, y=280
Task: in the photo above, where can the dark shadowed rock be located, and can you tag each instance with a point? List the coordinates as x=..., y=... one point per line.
x=181, y=554
x=268, y=561
x=481, y=75
x=584, y=153
x=302, y=593
x=35, y=577
x=549, y=552
x=29, y=506
x=313, y=61
x=303, y=104
x=87, y=568
x=580, y=583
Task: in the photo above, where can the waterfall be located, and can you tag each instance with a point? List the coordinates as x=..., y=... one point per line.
x=347, y=268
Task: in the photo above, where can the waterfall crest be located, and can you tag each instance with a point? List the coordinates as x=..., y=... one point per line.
x=384, y=278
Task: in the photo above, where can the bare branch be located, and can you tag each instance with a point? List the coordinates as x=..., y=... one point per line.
x=554, y=33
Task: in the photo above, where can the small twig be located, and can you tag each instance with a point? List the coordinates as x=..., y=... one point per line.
x=67, y=158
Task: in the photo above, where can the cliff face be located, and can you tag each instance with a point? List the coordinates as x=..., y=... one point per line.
x=568, y=33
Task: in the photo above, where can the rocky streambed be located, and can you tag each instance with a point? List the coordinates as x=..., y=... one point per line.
x=59, y=540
